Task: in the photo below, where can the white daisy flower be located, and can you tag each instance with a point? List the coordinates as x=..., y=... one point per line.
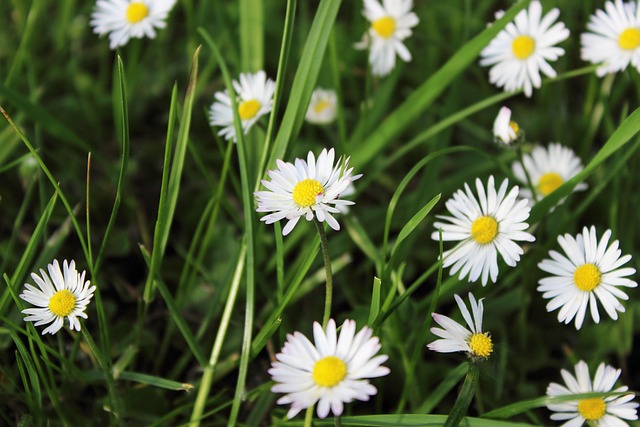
x=614, y=40
x=548, y=168
x=485, y=227
x=596, y=411
x=455, y=337
x=505, y=130
x=590, y=269
x=126, y=19
x=323, y=107
x=391, y=23
x=255, y=99
x=62, y=294
x=306, y=189
x=331, y=372
x=520, y=52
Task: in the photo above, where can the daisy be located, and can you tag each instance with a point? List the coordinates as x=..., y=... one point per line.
x=255, y=99
x=62, y=294
x=323, y=107
x=597, y=411
x=306, y=189
x=548, y=168
x=455, y=337
x=331, y=372
x=505, y=130
x=614, y=40
x=590, y=269
x=391, y=23
x=485, y=226
x=520, y=52
x=125, y=19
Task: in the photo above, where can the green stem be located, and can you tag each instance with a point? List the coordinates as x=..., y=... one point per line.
x=324, y=244
x=463, y=401
x=308, y=417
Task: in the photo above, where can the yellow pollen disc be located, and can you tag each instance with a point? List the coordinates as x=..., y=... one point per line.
x=385, y=27
x=62, y=303
x=322, y=105
x=514, y=126
x=248, y=109
x=481, y=345
x=305, y=192
x=549, y=182
x=629, y=39
x=136, y=12
x=592, y=409
x=329, y=371
x=587, y=277
x=484, y=229
x=523, y=46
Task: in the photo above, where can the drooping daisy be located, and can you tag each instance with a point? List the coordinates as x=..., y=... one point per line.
x=255, y=99
x=548, y=168
x=323, y=107
x=597, y=411
x=505, y=130
x=306, y=188
x=125, y=19
x=485, y=227
x=391, y=23
x=62, y=294
x=455, y=337
x=332, y=372
x=614, y=40
x=520, y=52
x=590, y=269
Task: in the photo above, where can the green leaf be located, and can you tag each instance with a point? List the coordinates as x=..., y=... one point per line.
x=155, y=381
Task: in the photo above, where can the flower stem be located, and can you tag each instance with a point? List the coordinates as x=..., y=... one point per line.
x=308, y=417
x=324, y=244
x=463, y=401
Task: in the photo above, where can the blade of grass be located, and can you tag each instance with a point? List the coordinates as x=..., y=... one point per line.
x=251, y=35
x=155, y=381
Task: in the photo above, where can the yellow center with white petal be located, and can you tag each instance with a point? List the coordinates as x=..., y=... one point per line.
x=587, y=277
x=321, y=106
x=592, y=409
x=481, y=344
x=484, y=230
x=306, y=191
x=523, y=46
x=629, y=39
x=329, y=371
x=549, y=182
x=62, y=303
x=385, y=27
x=514, y=125
x=248, y=109
x=136, y=12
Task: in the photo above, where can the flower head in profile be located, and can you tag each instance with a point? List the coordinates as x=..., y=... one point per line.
x=391, y=23
x=310, y=188
x=61, y=294
x=588, y=270
x=548, y=168
x=323, y=107
x=505, y=130
x=255, y=99
x=520, y=52
x=614, y=38
x=455, y=337
x=126, y=19
x=597, y=411
x=332, y=372
x=484, y=226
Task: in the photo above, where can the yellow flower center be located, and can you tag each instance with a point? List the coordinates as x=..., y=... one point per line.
x=329, y=371
x=548, y=183
x=481, y=345
x=484, y=229
x=629, y=39
x=587, y=277
x=62, y=303
x=523, y=46
x=321, y=106
x=248, y=109
x=385, y=27
x=305, y=192
x=136, y=12
x=513, y=125
x=592, y=409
